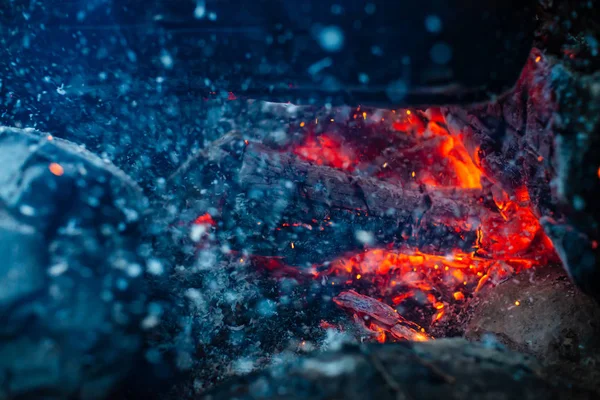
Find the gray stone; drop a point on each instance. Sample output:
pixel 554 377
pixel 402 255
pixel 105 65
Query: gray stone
pixel 553 321
pixel 439 369
pixel 69 236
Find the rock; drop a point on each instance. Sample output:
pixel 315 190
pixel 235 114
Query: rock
pixel 445 368
pixel 576 184
pixel 543 314
pixel 22 267
pixel 71 279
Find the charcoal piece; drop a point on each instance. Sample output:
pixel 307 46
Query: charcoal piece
pixel 384 316
pixel 71 279
pixel 446 368
pixel 541 313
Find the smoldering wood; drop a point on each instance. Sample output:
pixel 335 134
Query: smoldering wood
pixel 446 368
pixel 512 137
pixel 382 314
pixel 266 169
pixel 284 199
pixel 268 199
pixel 544 136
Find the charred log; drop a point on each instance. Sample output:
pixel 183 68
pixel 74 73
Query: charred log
pixel 577 180
pixel 280 203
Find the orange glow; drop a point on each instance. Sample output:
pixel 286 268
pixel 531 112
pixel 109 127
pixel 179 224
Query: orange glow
pixel 325 150
pixel 463 171
pixel 56 169
pixel 506 237
pixel 467 173
pixel 327 325
pixel 413 272
pixel 420 338
pixel 379 332
pixel 207 220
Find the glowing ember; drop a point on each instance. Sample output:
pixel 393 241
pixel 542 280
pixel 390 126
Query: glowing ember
pixel 508 238
pixel 389 288
pixel 468 175
pixel 325 150
pixel 205 219
pixel 397 276
pixel 56 169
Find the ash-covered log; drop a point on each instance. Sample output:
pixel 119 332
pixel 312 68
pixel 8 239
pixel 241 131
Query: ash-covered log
pixel 273 172
pixel 273 203
pixel 442 369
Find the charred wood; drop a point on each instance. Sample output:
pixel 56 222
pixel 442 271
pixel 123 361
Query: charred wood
pixel 384 316
pixel 544 136
pixel 277 203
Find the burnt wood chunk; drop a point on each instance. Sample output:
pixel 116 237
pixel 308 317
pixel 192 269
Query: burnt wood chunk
pixel 383 315
pixel 283 199
pixel 263 168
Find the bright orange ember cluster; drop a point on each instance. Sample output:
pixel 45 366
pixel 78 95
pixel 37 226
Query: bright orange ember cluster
pixel 509 239
pixel 325 150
